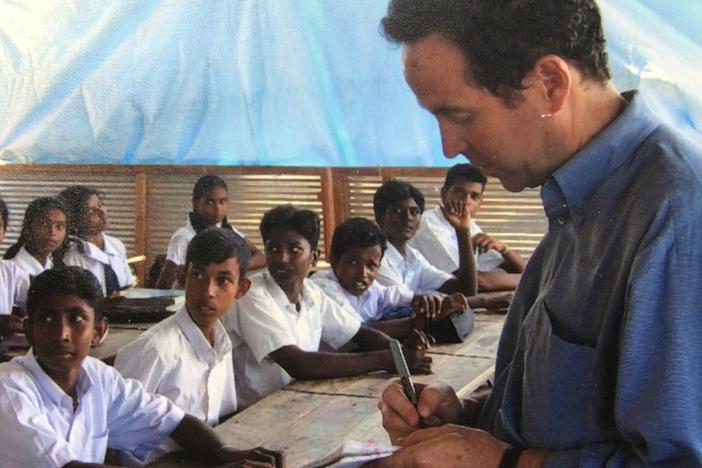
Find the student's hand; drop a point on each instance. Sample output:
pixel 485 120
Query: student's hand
pixel 427 305
pixel 456 302
pixel 500 301
pixel 10 324
pixel 254 458
pixel 438 404
pixel 457 214
pixel 483 242
pixel 415 347
pixel 450 446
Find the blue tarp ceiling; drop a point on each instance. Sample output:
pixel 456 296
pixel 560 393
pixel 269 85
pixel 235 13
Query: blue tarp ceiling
pixel 266 82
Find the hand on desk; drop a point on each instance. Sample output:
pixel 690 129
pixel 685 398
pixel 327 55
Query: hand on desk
pixel 415 348
pixel 258 457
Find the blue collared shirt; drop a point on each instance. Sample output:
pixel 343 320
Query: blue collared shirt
pixel 600 360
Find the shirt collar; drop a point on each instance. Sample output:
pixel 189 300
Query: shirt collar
pixel 49 387
pixel 395 258
pixel 94 252
pixel 29 260
pixel 222 343
pixel 570 187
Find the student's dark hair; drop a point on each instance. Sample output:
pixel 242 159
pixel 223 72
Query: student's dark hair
pixel 37 210
pixel 4 212
pixel 392 193
pixel 64 281
pixel 202 188
pixel 468 172
pixel 304 222
pixel 75 199
pixel 502 39
pixel 216 245
pixel 356 232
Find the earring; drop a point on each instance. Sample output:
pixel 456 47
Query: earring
pixel 546 115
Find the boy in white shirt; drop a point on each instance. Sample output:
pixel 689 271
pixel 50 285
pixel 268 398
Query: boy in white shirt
pixel 357 249
pixel 277 327
pixel 59 407
pixel 188 357
pixel 398 208
pixel 498 266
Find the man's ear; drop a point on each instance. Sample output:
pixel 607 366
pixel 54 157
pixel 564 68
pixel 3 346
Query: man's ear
pixel 243 287
pixel 181 273
pixel 315 257
pixel 443 195
pixel 101 328
pixel 552 78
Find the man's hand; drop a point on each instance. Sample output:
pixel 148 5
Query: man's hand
pixel 483 242
pixel 456 302
pixel 437 405
pixel 258 457
pixel 10 324
pixel 447 446
pixel 457 214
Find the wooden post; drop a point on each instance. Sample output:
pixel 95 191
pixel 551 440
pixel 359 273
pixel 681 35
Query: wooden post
pixel 140 217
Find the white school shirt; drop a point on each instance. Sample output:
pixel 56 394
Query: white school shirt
pixel 436 239
pixel 178 244
pixel 173 359
pixel 28 263
pixel 38 426
pixel 14 283
pixel 93 260
pixel 412 271
pixel 369 306
pixel 263 320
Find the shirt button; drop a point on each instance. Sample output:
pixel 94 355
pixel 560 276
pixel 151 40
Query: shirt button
pixel 561 220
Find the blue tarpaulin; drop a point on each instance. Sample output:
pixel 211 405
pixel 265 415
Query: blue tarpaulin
pixel 266 82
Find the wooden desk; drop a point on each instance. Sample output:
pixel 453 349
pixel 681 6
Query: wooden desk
pixel 309 419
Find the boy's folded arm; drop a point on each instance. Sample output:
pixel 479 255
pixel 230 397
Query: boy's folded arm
pixel 496 281
pixel 395 328
pixel 370 339
pixel 322 365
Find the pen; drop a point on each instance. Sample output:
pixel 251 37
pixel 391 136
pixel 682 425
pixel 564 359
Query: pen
pixel 401 366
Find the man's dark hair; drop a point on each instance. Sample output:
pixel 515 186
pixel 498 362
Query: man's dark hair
pixel 502 39
pixel 37 210
pixel 304 222
pixel 65 281
pixel 392 193
pixel 356 232
pixel 468 172
pixel 205 184
pixel 216 245
pixel 4 212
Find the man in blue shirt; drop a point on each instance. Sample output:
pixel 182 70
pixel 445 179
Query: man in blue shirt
pixel 599 360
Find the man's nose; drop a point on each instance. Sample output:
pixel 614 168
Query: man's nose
pixel 451 140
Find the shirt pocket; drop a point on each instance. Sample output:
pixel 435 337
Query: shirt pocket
pixel 560 391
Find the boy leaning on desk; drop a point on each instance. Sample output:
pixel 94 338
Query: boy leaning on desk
pixel 60 407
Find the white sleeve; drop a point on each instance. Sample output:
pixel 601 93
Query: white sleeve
pixel 394 296
pixel 139 421
pixel 121 267
pixel 431 278
pixel 338 325
pixel 141 360
pixel 258 321
pixel 177 247
pixel 21 287
pixel 26 431
pixel 431 243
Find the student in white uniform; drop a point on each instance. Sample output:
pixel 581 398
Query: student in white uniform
pixel 357 249
pixel 43 231
pixel 188 356
pixel 210 209
pixel 498 266
pixel 277 327
pixel 58 406
pixel 14 283
pixel 87 245
pixel 398 208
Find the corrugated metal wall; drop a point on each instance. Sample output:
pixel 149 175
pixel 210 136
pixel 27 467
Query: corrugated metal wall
pixel 162 196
